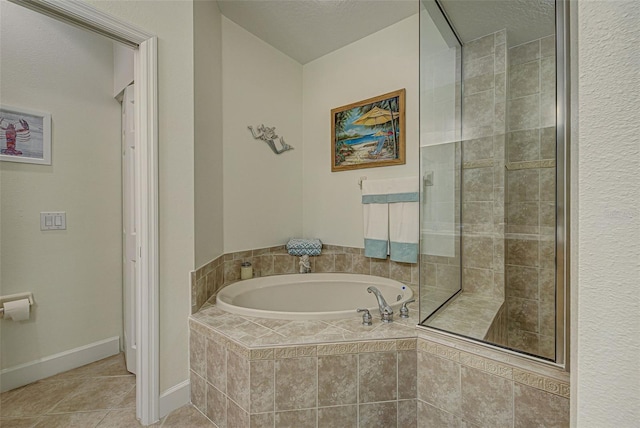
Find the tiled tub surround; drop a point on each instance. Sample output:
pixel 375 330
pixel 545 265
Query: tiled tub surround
pixel 251 372
pixel 248 372
pixel 224 270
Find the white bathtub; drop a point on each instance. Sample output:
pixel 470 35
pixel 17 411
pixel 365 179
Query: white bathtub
pixel 311 296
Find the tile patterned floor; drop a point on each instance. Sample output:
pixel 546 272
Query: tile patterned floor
pixel 98 395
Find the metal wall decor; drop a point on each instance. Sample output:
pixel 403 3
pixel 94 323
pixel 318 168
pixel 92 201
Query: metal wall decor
pixel 268 135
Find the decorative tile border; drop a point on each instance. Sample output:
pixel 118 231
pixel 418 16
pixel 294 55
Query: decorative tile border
pixel 480 163
pixel 496 368
pixel 545 163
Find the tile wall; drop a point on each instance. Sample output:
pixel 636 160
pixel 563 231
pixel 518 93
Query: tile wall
pixel 483 160
pixel 459 385
pixel 530 198
pixel 349 384
pixel 207 280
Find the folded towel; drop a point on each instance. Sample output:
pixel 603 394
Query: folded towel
pixel 301 247
pixel 391 218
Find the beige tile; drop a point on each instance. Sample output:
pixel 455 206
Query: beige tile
pixel 522 282
pixel 547 109
pixel 486 399
pixel 548 143
pixel 264 265
pixel 284 264
pixel 343 262
pixel 236 417
pixel 478 75
pixel 500 85
pixel 407 372
pixel 297 418
pixel 400 271
pixel 407 413
pixel 232 271
pixel 378 415
pixel 18 422
pixel 478 252
pixel 548 184
pixel 476 149
pixel 548 75
pixel 480 282
pixel 198 391
pixel 296 383
pixel 523 341
pixel 534 407
pixel 478 48
pixel 524 79
pixel 523 314
pixel 325 263
pixel 340 416
pixel 72 420
pixel 447 277
pixel 428 274
pixel 524 53
pixel 197 353
pixel 547 254
pixel 548 46
pixel 377 377
pixel 262 420
pixel 97 394
pixel 216 408
pixel 432 417
pixel 500 58
pixel 439 382
pixel 524 113
pixel 361 264
pixel 35 399
pixel 478 215
pixel 216 371
pixel 337 379
pixel 477 115
pixel 380 267
pixel 238 379
pixel 186 416
pixel 262 379
pixel 523 145
pixel 123 418
pixel 547 214
pixel 110 366
pixel 522 252
pixel 477 184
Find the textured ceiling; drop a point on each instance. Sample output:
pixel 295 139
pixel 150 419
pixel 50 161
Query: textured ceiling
pixel 525 20
pixel 308 29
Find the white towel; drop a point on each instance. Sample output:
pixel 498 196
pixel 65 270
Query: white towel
pixel 390 209
pixel 375 212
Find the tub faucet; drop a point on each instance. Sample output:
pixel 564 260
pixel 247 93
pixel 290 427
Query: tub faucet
pixel 386 313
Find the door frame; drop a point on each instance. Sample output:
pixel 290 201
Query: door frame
pixel 88 17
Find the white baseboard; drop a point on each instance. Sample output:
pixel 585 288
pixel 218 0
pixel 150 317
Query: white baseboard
pixel 23 374
pixel 174 397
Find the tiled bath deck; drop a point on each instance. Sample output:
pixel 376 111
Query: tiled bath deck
pixel 261 332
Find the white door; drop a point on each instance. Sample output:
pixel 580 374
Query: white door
pixel 130 256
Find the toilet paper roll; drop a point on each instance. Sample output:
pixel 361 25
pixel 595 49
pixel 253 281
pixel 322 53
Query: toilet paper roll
pixel 17 310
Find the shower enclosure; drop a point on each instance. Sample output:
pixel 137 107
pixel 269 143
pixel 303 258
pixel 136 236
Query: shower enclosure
pixel 488 144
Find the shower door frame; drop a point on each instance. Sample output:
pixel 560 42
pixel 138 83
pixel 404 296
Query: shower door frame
pixel 145 47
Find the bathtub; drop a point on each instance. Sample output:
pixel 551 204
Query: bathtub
pixel 311 296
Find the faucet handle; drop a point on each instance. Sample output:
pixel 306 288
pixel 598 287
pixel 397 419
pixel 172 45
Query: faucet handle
pixel 366 317
pixel 404 311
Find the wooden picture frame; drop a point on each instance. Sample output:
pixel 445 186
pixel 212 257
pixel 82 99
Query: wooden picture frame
pixel 369 133
pixel 25 136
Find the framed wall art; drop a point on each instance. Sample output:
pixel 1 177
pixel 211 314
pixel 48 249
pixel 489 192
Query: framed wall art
pixel 369 133
pixel 25 135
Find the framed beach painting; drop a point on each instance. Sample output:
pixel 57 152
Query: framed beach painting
pixel 369 133
pixel 25 136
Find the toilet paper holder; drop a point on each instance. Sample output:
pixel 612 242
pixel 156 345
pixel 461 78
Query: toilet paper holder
pixel 12 297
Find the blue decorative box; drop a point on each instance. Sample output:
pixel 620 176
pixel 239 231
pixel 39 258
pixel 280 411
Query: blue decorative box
pixel 301 247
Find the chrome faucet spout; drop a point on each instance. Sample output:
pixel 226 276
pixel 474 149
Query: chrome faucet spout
pixel 386 313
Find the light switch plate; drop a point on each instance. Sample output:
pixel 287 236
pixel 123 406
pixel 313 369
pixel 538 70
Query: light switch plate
pixel 53 220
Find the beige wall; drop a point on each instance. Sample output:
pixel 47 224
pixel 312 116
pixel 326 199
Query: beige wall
pixel 605 297
pixel 207 44
pixel 262 190
pixel 172 22
pixel 74 274
pixel 382 62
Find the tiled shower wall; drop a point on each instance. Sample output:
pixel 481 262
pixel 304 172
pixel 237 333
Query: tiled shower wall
pixel 531 196
pixel 207 280
pixel 483 160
